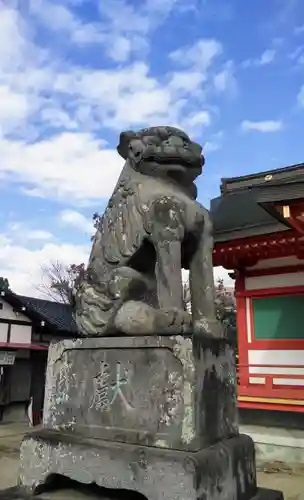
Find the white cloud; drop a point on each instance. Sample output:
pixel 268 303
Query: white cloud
pixel 121 28
pixel 64 21
pixel 200 59
pixel 58 118
pixel 262 126
pixel 14 107
pixel 81 97
pixel 129 96
pixel 145 17
pixel 120 49
pixel 187 81
pixel 297 54
pixel 14 29
pixel 225 80
pixel 214 143
pixel 51 111
pixel 211 146
pixel 267 57
pixel 219 272
pixel 39 234
pixel 76 220
pixel 200 55
pixel 68 166
pixel 22 266
pixel 199 118
pixel 20 232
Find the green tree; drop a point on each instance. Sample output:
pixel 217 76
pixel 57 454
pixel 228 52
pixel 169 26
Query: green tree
pixel 4 285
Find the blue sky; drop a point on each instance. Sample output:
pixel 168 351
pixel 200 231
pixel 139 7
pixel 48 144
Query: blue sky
pixel 74 73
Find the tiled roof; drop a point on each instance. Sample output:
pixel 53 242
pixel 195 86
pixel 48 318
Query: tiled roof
pixel 240 211
pixel 239 215
pixel 279 176
pixel 56 315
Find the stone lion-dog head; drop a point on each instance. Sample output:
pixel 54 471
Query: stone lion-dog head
pixel 165 152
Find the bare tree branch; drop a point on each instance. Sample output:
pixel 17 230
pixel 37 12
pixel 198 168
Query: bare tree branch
pixel 58 281
pixel 224 301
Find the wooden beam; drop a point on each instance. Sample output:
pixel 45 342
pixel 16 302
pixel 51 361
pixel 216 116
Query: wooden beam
pixel 293 214
pixel 246 252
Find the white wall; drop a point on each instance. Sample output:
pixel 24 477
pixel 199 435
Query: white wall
pixel 277 358
pixel 3 332
pixel 7 313
pixel 248 319
pixel 280 262
pixel 274 281
pixel 21 334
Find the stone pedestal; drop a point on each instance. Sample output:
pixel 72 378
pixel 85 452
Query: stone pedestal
pixel 156 415
pixel 152 391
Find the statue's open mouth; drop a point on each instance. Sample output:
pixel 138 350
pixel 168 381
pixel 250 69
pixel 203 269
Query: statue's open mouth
pixel 180 159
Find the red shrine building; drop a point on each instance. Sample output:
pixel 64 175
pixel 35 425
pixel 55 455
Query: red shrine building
pixel 259 235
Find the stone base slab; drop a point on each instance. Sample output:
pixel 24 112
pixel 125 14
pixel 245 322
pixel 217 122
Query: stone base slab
pixel 168 392
pixel 264 494
pixel 224 471
pixel 17 493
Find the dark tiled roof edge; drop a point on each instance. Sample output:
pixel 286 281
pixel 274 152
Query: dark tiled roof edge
pixel 264 180
pixel 290 168
pixel 57 316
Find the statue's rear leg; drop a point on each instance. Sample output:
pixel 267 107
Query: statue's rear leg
pixel 99 303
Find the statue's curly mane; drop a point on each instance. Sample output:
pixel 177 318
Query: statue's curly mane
pixel 122 228
pixel 152 135
pixel 120 233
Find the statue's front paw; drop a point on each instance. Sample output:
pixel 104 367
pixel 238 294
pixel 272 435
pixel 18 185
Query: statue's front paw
pixel 209 328
pixel 182 321
pixel 173 321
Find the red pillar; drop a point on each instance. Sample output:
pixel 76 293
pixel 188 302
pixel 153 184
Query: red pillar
pixel 241 324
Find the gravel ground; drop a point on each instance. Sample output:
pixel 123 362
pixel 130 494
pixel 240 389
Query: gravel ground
pixel 290 480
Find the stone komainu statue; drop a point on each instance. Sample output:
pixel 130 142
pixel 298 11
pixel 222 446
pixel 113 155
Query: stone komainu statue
pixel 150 230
